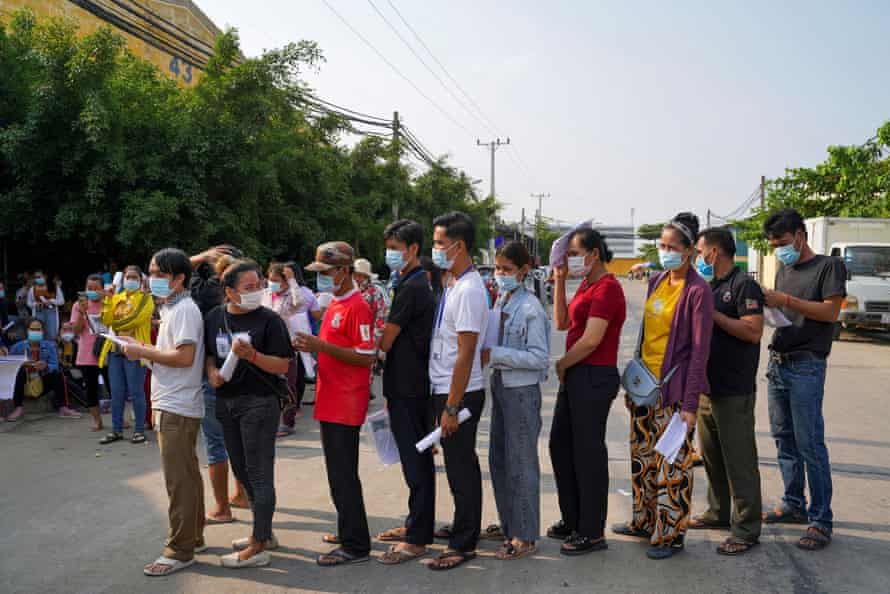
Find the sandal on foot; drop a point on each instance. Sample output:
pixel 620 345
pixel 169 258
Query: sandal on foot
pixel 734 545
pixel 581 545
pixel 814 540
pixel 783 515
pixel 111 438
pixel 393 535
pixel 331 539
pixel 340 556
pixel 510 551
pixel 559 531
pixel 628 530
pixel 493 532
pixel 443 533
pixel 210 520
pixel 165 566
pixel 284 431
pixel 234 561
pixel 138 438
pixel 396 556
pixel 663 552
pixel 702 522
pixel 451 559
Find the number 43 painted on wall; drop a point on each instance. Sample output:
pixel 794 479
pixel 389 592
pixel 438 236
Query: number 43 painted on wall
pixel 186 69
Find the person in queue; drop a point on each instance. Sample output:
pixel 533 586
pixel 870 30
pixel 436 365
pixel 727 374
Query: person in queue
pixel 676 343
pixel 373 296
pixel 40 374
pixel 345 348
pixel 519 361
pixel 177 401
pixel 406 386
pixel 456 379
pixel 433 276
pixel 86 316
pixel 127 314
pixel 589 382
pixel 248 402
pixel 44 302
pixel 809 291
pixel 726 415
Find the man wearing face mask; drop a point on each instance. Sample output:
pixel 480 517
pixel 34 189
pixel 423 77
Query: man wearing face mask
pixel 726 415
pixel 809 291
pixel 345 347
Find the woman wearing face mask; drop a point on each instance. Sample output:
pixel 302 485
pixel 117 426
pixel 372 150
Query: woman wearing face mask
pixel 588 384
pixel 127 313
pixel 519 364
pixel 40 373
pixel 86 322
pixel 247 404
pixel 676 339
pixel 44 301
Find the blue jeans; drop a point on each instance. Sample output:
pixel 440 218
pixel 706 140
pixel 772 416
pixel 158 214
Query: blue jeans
pixel 214 442
pixel 127 380
pixel 796 389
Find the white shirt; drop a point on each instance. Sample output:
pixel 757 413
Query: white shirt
pixel 178 390
pixel 465 309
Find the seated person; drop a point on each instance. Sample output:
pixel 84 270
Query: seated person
pixel 42 365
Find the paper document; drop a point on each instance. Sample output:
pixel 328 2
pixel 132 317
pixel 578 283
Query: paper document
pixel 672 439
pixel 774 317
pixel 560 247
pixel 9 368
pixel 231 362
pixel 8 326
pixel 114 339
pixel 436 436
pixel 377 425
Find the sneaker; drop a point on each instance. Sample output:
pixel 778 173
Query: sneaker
pixel 67 413
pixel 17 414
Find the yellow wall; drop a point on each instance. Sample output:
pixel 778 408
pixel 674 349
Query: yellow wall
pixel 172 55
pixel 621 266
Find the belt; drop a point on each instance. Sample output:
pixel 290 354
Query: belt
pixel 795 356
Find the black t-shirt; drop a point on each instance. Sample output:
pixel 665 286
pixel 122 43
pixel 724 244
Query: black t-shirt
pixel 732 366
pixel 205 288
pixel 814 280
pixel 406 374
pixel 268 335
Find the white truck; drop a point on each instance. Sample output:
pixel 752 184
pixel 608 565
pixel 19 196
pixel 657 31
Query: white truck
pixel 864 246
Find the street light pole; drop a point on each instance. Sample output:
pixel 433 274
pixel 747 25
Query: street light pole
pixel 538 217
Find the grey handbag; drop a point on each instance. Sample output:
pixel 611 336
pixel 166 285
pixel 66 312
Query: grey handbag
pixel 639 383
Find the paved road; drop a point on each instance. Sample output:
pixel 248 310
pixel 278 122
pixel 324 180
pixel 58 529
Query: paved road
pixel 77 517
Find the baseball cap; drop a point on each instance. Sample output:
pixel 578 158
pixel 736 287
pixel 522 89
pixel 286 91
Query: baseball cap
pixel 332 254
pixel 363 266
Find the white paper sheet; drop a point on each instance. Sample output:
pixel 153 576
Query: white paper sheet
pixel 231 362
pixel 774 317
pixel 377 425
pixel 436 436
pixel 9 368
pixel 672 439
pixel 300 323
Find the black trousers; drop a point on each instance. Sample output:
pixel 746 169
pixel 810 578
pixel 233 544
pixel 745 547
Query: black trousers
pixel 463 472
pixel 578 447
pixel 52 380
pixel 91 375
pixel 249 423
pixel 340 445
pixel 410 422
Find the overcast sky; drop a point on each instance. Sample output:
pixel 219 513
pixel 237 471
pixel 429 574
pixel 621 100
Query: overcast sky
pixel 657 106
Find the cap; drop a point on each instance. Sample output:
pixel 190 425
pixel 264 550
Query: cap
pixel 362 266
pixel 332 255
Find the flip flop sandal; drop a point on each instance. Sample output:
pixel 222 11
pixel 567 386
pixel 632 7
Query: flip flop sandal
pixel 393 535
pixel 781 515
pixel 284 431
pixel 659 553
pixel 443 533
pixel 208 521
pixel 559 531
pixel 111 438
pixel 733 546
pixel 340 556
pixel 509 551
pixel 814 540
pixel 701 523
pixel 138 438
pixel 439 564
pixel 628 530
pixel 397 557
pixel 174 565
pixel 493 532
pixel 331 539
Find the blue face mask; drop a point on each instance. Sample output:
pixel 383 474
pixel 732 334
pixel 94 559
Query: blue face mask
pixel 2 294
pixel 506 283
pixel 35 335
pixel 670 260
pixel 704 269
pixel 395 260
pixel 39 281
pixel 326 284
pixel 787 255
pixel 131 285
pixel 159 287
pixel 274 287
pixel 440 257
pixel 92 295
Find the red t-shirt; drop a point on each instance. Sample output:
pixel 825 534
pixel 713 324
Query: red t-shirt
pixel 342 391
pixel 603 299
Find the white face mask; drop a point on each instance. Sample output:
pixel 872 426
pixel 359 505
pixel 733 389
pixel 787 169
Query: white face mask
pixel 577 267
pixel 251 301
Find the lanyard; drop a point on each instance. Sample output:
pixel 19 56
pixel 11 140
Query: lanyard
pixel 441 311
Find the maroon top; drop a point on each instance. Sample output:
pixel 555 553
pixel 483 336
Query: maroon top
pixel 689 343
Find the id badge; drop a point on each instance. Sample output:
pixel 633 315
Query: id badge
pixel 223 346
pixel 438 345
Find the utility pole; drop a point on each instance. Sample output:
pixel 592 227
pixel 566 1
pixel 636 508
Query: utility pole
pixel 396 138
pixel 760 277
pixel 522 228
pixel 708 225
pixel 492 146
pixel 538 217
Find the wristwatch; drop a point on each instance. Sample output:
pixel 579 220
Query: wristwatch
pixel 451 410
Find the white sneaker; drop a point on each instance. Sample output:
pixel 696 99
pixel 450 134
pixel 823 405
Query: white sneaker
pixel 232 561
pixel 243 543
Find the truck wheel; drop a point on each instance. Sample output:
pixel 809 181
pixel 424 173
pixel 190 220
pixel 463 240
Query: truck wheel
pixel 836 334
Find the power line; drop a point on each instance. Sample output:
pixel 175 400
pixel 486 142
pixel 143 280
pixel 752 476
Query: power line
pixel 394 69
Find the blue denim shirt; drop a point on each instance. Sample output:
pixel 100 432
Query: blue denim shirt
pixel 48 353
pixel 523 354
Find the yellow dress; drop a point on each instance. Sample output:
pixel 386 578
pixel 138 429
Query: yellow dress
pixel 128 314
pixel 657 318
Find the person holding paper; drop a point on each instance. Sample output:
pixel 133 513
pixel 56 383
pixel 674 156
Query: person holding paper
pixel 588 378
pixel 345 347
pixel 44 302
pixel 406 386
pixel 126 314
pixel 726 415
pixel 457 381
pixel 86 314
pixel 809 290
pixel 677 326
pixel 247 403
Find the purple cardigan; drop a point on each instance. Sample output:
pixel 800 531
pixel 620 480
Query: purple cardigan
pixel 689 343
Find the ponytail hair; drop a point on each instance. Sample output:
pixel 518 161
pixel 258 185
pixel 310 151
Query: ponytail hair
pixel 592 239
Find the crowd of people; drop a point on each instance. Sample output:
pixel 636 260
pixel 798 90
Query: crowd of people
pixel 229 351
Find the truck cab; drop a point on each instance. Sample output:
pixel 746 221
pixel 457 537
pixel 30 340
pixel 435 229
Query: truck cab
pixel 867 304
